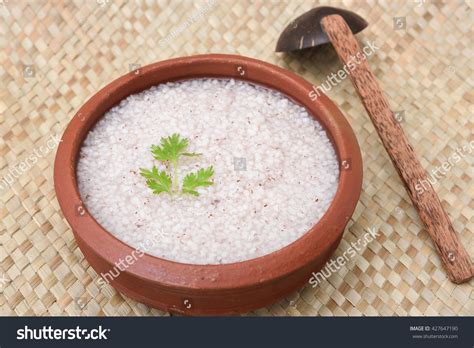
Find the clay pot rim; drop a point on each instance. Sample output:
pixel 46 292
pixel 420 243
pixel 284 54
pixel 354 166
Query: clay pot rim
pixel 181 276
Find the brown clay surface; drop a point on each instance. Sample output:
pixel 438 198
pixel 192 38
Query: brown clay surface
pixel 210 289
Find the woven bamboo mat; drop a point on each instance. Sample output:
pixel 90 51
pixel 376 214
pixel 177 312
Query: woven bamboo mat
pixel 55 55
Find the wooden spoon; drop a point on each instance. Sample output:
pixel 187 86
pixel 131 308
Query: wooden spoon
pixel 327 24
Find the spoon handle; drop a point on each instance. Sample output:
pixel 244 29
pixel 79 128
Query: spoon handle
pixel 455 258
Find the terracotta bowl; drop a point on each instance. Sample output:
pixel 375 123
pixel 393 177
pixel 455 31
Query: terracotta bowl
pixel 210 289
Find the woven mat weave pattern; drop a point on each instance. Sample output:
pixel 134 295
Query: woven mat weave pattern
pixel 55 55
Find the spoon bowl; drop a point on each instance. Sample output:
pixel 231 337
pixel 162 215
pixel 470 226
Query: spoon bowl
pixel 306 31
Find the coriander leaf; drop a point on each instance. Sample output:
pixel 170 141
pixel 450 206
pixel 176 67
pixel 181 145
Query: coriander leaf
pixel 199 179
pixel 158 181
pixel 149 174
pixel 170 148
